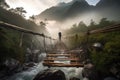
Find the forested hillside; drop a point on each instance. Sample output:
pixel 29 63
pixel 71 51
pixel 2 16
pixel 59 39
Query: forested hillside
pixel 103 48
pixel 79 8
pixel 10 40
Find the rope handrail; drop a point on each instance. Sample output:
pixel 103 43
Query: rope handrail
pixel 106 29
pixel 7 25
pixel 115 27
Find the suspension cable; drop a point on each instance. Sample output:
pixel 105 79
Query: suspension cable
pixel 14 27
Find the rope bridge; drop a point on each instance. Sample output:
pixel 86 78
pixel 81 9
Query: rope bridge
pixel 23 30
pixel 14 27
pixel 56 59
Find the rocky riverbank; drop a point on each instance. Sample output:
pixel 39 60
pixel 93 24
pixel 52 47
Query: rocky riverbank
pixel 12 66
pixel 89 72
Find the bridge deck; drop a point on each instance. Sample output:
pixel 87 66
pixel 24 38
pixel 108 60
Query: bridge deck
pixel 62 65
pixel 51 58
pixel 55 55
pixel 59 58
pixel 62 59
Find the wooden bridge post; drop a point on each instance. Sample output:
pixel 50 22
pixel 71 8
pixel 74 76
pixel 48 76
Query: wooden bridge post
pixel 51 43
pixel 87 43
pixel 87 37
pixel 21 39
pixel 44 43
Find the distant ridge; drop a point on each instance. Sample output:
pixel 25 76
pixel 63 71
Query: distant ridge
pixel 74 8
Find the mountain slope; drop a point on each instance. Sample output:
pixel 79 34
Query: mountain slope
pixel 109 9
pixel 15 19
pixel 66 10
pixel 76 8
pixel 56 13
pixel 63 11
pixel 108 3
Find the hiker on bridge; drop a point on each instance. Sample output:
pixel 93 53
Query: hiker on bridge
pixel 60 35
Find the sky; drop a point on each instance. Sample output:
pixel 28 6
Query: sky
pixel 34 7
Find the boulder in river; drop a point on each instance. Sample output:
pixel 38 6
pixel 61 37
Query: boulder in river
pixel 12 65
pixel 74 78
pixel 50 74
pixel 110 78
pixel 90 72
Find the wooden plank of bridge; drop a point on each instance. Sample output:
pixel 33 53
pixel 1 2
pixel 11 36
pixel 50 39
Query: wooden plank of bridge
pixel 58 55
pixel 106 29
pixel 62 59
pixel 59 62
pixel 62 65
pixel 21 29
pixel 52 55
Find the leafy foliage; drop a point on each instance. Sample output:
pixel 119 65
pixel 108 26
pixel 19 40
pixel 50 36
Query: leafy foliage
pixel 10 39
pixel 109 53
pixel 4 4
pixel 9 46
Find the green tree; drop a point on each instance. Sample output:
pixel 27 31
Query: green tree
pixel 42 26
pixel 32 17
pixel 82 26
pixel 105 22
pixel 12 10
pixel 2 45
pixel 20 11
pixel 4 4
pixel 92 25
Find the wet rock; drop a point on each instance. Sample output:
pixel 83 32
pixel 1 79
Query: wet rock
pixel 11 65
pixel 50 74
pixel 85 78
pixel 26 66
pixel 90 72
pixel 115 69
pixel 30 64
pixel 110 78
pixel 74 78
pixel 32 55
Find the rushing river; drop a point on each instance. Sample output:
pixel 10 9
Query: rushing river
pixel 29 74
pixel 32 72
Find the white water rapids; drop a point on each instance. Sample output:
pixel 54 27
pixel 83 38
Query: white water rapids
pixel 32 72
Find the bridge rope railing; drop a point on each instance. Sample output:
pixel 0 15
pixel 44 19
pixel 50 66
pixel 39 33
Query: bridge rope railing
pixel 86 35
pixel 111 28
pixel 14 27
pixel 115 27
pixel 27 31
